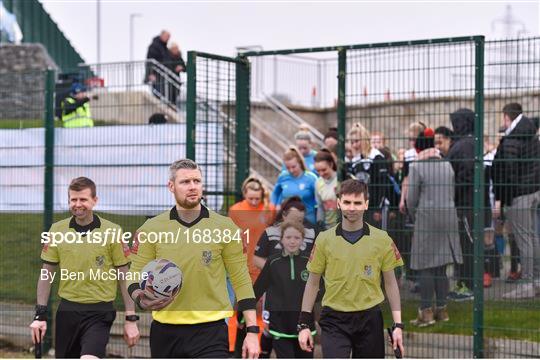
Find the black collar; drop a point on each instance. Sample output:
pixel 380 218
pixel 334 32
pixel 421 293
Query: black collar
pixel 173 215
pixel 365 228
pixel 95 224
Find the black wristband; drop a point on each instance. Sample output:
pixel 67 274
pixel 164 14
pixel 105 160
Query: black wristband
pixel 247 304
pixel 132 288
pixel 132 318
pixel 306 318
pixel 41 313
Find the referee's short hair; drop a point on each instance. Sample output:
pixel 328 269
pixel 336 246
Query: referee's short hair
pixel 81 183
pixel 353 186
pixel 182 164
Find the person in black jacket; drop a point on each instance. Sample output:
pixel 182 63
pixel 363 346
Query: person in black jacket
pixel 283 279
pixel 159 52
pixel 516 173
pixel 461 157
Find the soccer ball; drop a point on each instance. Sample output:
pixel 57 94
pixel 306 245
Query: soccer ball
pixel 164 279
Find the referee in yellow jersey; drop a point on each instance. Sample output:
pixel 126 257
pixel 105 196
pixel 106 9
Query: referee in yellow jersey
pixel 352 256
pixel 92 263
pixel 206 247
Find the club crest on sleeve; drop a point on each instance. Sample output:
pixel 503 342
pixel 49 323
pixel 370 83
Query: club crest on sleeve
pixel 135 244
pixel 126 249
pixel 206 257
pixel 397 254
pixel 312 252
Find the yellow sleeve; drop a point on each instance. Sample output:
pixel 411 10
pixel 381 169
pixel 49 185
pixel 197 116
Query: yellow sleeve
pixel 236 265
pixel 141 254
pixel 118 255
pixel 391 258
pixel 317 259
pixel 49 253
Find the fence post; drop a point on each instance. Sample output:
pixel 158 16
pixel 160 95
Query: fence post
pixel 48 201
pixel 191 104
pixel 242 131
pixel 478 201
pixel 341 107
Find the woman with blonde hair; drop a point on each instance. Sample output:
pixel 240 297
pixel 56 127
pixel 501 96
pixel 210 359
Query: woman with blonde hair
pixel 296 180
pixel 369 166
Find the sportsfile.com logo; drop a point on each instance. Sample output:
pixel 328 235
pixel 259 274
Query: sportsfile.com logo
pixel 116 236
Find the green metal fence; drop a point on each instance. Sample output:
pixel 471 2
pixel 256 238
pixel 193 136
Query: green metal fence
pixel 218 113
pixel 227 120
pixel 38 27
pixel 385 87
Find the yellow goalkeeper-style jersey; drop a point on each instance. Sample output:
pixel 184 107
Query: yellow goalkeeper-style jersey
pixel 206 251
pixel 352 271
pixel 85 261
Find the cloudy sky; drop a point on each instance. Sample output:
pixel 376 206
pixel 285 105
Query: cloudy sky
pixel 221 26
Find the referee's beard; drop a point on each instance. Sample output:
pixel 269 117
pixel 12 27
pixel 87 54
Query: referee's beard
pixel 188 204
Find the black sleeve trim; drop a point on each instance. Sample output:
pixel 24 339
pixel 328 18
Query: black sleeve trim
pixel 132 288
pixel 49 262
pixel 247 304
pixel 119 266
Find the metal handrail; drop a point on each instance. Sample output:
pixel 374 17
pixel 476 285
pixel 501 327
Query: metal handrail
pixel 257 145
pixel 276 135
pixel 294 118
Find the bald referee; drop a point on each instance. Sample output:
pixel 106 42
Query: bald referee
pixel 207 246
pixel 90 271
pixel 352 256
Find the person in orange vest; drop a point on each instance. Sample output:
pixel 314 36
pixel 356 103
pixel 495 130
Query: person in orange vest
pixel 256 213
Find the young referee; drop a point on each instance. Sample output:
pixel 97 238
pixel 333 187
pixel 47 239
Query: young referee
pixel 86 313
pixel 352 256
pixel 209 246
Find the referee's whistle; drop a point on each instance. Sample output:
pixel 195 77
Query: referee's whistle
pixel 397 350
pixel 37 350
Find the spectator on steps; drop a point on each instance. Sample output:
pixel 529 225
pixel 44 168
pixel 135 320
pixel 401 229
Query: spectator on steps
pixel 159 52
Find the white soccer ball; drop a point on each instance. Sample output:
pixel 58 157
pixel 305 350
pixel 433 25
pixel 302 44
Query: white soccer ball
pixel 163 280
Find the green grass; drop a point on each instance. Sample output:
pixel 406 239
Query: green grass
pixel 20 264
pixel 36 123
pixel 20 250
pixel 511 320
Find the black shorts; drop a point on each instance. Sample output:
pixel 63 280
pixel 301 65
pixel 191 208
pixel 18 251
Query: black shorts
pixel 290 349
pixel 83 329
pixel 359 332
pixel 206 340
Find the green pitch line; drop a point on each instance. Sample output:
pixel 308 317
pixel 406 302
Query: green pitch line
pixel 36 123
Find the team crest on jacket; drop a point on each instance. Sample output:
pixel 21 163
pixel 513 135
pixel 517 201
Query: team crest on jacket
pixel 368 271
pixel 206 257
pixel 304 275
pixel 100 261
